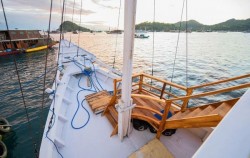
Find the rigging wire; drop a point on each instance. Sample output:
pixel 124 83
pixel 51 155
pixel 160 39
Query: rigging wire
pixel 186 43
pixel 20 87
pixel 153 49
pixel 152 71
pixel 55 82
pixel 79 29
pixel 118 23
pixel 72 20
pixel 177 45
pixel 45 66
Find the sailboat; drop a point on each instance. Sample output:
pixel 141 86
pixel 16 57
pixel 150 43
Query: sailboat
pixel 99 112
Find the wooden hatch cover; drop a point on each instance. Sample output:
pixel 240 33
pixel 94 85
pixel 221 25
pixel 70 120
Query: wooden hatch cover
pixel 153 149
pixel 98 101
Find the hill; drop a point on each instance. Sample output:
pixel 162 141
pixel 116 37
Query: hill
pixel 229 25
pixel 69 26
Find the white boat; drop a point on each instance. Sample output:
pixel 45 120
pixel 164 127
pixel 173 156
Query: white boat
pixel 141 34
pixel 85 87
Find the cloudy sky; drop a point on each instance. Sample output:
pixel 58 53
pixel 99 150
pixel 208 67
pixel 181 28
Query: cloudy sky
pixel 99 14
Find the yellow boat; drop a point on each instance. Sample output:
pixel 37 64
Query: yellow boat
pixel 30 50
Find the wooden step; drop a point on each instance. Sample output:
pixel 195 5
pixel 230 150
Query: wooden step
pixel 111 119
pixel 113 113
pixel 194 112
pixel 144 102
pixel 180 114
pixel 207 110
pixel 222 109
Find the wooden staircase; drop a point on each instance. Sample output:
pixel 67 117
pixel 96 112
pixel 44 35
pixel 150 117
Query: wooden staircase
pixel 150 105
pixel 202 116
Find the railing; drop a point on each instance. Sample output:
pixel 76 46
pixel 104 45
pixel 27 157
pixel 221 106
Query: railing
pixel 141 86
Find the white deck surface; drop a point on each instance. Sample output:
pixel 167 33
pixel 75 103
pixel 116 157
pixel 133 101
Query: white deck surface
pixel 93 140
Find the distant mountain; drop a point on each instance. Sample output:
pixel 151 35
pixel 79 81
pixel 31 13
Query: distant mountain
pixel 192 25
pixel 69 26
pixel 232 25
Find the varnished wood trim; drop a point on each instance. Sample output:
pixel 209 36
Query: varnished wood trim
pixel 221 81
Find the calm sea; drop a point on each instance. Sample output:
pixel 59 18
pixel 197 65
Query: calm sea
pixel 211 56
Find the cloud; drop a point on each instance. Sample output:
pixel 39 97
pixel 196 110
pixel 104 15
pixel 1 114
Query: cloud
pixel 100 3
pixel 35 13
pixel 95 22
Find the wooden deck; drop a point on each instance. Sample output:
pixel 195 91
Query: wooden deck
pixel 98 101
pixel 153 149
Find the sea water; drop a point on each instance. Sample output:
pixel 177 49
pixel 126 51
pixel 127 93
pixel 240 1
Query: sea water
pixel 199 58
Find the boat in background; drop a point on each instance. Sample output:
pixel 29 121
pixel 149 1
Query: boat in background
pixel 114 32
pixel 18 41
pixel 141 34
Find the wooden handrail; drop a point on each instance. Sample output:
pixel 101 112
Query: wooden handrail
pixel 133 76
pixel 163 120
pixel 149 109
pixel 148 97
pixel 220 81
pixel 139 116
pixel 212 92
pixel 167 82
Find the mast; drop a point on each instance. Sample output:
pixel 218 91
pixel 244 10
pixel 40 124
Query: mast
pixel 125 103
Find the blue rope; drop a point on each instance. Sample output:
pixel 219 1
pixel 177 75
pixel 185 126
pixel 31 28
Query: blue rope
pixel 47 132
pixel 96 76
pixel 53 143
pixel 86 72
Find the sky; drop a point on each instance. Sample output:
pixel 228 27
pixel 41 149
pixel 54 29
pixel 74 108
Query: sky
pixel 103 14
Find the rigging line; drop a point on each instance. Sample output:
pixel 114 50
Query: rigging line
pixel 186 43
pixel 72 20
pixel 45 66
pixel 152 71
pixel 177 44
pixel 153 53
pixel 118 23
pixel 20 87
pixel 79 29
pixel 55 82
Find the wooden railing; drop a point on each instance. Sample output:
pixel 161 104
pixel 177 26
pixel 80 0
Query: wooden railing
pixel 140 85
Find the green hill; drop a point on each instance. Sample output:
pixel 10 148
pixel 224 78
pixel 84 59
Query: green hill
pixel 229 25
pixel 232 25
pixel 69 26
